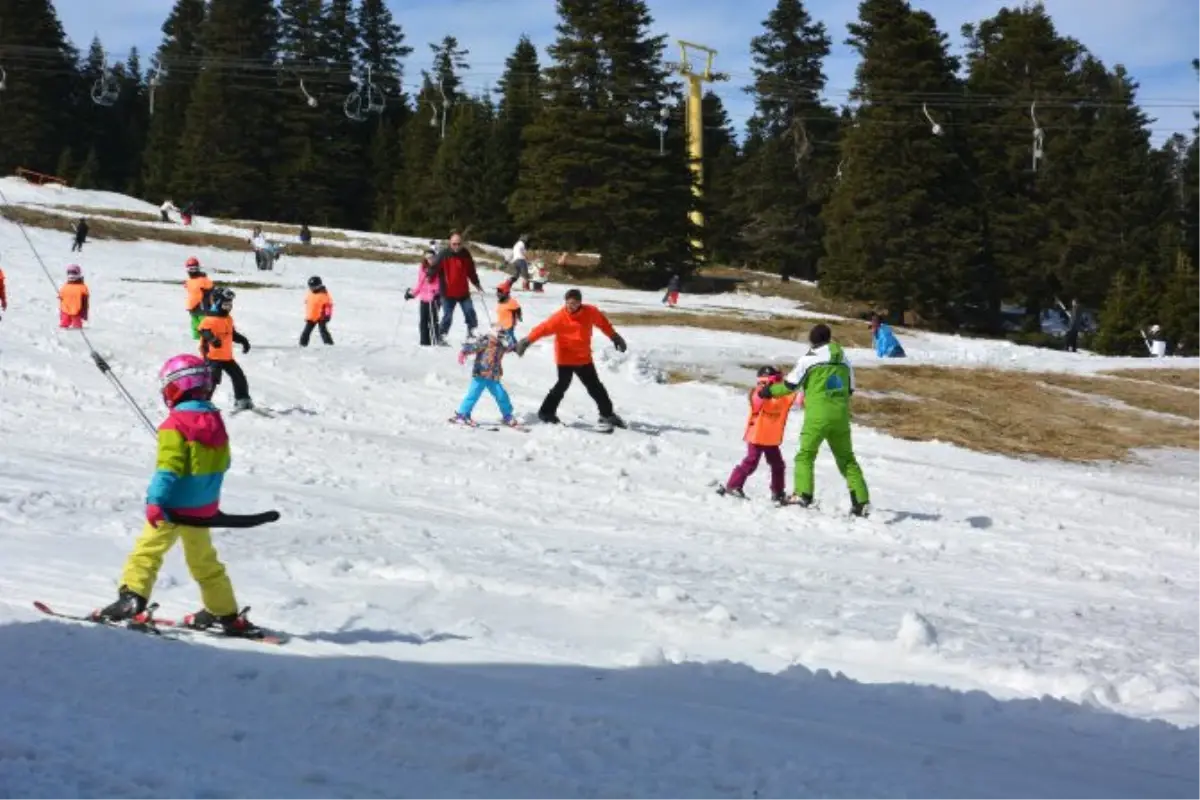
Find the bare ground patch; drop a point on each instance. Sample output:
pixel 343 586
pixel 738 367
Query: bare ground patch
pixel 1161 397
pixel 1007 413
pixel 113 229
pixel 790 328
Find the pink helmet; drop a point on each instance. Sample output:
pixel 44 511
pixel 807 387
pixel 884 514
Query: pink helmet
pixel 74 272
pixel 182 375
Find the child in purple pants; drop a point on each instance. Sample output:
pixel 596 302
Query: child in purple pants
pixel 764 433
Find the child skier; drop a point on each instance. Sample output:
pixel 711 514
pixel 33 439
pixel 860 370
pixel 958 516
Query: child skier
pixel 508 312
pixel 826 380
pixel 539 275
pixel 764 433
pixel 3 294
pixel 671 297
pixel 426 291
pixel 198 286
pixel 486 374
pixel 217 337
pixel 193 456
pixel 318 311
pixel 73 299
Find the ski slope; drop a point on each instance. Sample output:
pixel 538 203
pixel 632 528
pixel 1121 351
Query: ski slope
pixel 558 613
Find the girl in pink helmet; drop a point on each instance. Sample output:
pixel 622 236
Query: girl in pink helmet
pixel 193 456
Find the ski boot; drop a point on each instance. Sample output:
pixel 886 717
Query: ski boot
pixel 779 498
pixel 612 420
pixel 723 492
pixel 802 500
pixel 510 422
pixel 128 607
pixel 859 509
pixel 549 419
pixel 463 419
pixel 236 625
pixel 244 404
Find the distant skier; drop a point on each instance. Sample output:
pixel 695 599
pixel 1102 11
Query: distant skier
pixel 671 298
pixel 318 311
pixel 73 299
pixel 3 294
pixel 217 337
pixel 825 379
pixel 426 292
pixel 198 286
pixel 539 275
pixel 1074 323
pixel 81 233
pixel 571 326
pixel 765 428
pixel 519 262
pixel 305 234
pixel 193 457
pixel 166 209
pixel 266 252
pixel 486 374
pixel 886 343
pixel 508 311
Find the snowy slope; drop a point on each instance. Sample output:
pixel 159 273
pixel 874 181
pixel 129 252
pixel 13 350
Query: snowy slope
pixel 556 613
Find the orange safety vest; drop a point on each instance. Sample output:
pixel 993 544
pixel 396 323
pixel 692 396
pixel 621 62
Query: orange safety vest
pixel 71 298
pixel 196 287
pixel 768 419
pixel 222 328
pixel 318 307
pixel 506 314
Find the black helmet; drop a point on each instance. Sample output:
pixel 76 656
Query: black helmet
pixel 315 282
pixel 768 372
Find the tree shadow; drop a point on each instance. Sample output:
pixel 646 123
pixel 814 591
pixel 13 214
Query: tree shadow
pixel 376 636
pixel 313 719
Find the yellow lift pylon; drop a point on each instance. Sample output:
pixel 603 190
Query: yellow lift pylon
pixel 695 119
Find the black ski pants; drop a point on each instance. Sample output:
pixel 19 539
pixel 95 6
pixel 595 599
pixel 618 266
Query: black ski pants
pixel 429 321
pixel 241 389
pixel 308 329
pixel 591 381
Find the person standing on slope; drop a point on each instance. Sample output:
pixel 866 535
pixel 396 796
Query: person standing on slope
pixel 199 287
pixel 486 374
pixel 520 262
pixel 825 380
pixel 217 337
pixel 764 434
pixel 3 293
pixel 456 271
pixel 73 299
pixel 193 457
pixel 508 311
pixel 318 311
pixel 571 326
pixel 426 292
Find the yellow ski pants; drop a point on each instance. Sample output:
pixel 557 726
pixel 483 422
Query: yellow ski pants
pixel 141 568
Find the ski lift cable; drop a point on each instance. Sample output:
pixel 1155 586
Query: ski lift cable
pixel 101 364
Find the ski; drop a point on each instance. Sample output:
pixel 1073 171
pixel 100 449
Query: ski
pixel 262 412
pixel 146 622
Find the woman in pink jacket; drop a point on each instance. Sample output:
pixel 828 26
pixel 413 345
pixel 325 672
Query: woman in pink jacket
pixel 427 291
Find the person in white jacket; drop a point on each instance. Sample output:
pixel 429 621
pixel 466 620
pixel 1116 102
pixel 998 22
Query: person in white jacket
pixel 167 208
pixel 519 262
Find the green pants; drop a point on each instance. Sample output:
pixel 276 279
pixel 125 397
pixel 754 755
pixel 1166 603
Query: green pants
pixel 836 431
pixel 196 317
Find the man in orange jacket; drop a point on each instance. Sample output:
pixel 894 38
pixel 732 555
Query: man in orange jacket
pixel 571 326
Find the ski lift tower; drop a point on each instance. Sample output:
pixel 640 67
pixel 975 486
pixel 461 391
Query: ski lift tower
pixel 695 117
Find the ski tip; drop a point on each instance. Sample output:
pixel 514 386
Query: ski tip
pixel 42 607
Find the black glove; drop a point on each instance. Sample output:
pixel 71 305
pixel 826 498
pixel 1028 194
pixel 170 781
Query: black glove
pixel 522 346
pixel 618 342
pixel 215 342
pixel 246 346
pixel 408 295
pixel 765 391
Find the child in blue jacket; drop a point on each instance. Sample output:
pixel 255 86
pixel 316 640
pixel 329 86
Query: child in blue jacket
pixel 886 343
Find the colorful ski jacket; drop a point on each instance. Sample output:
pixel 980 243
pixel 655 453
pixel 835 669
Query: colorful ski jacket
pixel 193 457
pixel 489 352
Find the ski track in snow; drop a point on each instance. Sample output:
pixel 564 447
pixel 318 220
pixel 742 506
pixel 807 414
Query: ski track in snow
pixel 561 613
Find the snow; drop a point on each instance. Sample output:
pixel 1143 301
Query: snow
pixel 557 613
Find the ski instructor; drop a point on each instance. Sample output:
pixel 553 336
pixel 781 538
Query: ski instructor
pixel 571 326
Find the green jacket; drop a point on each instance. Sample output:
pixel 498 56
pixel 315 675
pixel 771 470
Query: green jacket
pixel 826 379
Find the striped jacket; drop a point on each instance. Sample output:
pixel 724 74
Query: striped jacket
pixel 193 457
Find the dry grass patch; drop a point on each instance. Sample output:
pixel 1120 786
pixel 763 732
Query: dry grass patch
pixel 790 328
pixel 810 297
pixel 1160 397
pixel 120 213
pixel 117 230
pixel 1179 378
pixel 279 229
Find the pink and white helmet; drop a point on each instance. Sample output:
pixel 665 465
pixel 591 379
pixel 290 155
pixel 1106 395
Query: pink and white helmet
pixel 74 272
pixel 182 375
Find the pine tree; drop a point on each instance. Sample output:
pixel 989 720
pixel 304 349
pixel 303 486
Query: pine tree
pixel 901 227
pixel 449 62
pixel 229 144
pixel 466 197
pixel 1130 302
pixel 786 178
pixel 173 73
pixel 37 109
pixel 1180 306
pixel 591 174
pixel 723 218
pixel 133 120
pixel 520 91
pixel 413 184
pixel 1013 59
pixel 381 48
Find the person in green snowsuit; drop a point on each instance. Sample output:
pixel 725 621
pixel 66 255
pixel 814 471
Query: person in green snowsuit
pixel 825 378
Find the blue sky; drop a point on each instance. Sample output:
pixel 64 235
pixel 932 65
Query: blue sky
pixel 1155 39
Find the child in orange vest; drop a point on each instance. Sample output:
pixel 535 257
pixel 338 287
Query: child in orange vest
pixel 318 311
pixel 73 299
pixel 198 286
pixel 217 338
pixel 508 312
pixel 764 433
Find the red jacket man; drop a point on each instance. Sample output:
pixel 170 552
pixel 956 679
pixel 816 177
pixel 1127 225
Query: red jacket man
pixel 456 270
